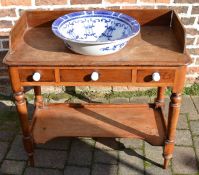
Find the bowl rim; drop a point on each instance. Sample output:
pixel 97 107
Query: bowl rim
pixel 85 13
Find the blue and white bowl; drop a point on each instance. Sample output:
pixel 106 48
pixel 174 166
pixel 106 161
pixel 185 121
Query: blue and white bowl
pixel 97 32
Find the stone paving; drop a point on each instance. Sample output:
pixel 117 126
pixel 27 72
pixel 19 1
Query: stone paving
pixel 87 156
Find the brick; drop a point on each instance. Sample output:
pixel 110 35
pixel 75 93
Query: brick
pixel 106 157
pixel 14 2
pixel 17 151
pixel 41 171
pixel 185 1
pixel 7 12
pixel 190 41
pixel 131 143
pixel 119 100
pixel 192 70
pixel 3 150
pixel 180 9
pixel 193 51
pixel 73 2
pixel 50 2
pixel 194 127
pixel 5 33
pixel 99 169
pixel 80 153
pixel 50 158
pixel 195 10
pixel 162 1
pixel 182 122
pixel 191 31
pixel 5 44
pixel 131 162
pixel 183 137
pixel 120 1
pixel 58 143
pixel 107 144
pixel 12 167
pixel 5 24
pixel 74 170
pixel 148 1
pixel 188 21
pixel 184 161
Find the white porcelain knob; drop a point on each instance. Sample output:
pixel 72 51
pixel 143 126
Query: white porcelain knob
pixel 36 76
pixel 95 76
pixel 156 76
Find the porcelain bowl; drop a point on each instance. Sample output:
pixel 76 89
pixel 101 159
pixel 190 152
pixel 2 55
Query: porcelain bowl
pixel 98 32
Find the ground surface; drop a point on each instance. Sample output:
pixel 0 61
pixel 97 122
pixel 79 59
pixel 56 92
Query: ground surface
pixel 86 156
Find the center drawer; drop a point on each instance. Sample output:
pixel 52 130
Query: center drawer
pixel 104 75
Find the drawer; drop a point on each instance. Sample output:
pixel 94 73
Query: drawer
pixel 46 75
pixel 104 75
pixel 146 75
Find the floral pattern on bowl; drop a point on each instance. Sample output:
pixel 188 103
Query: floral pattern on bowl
pixel 97 32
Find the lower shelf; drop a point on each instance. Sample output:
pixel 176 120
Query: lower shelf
pixel 99 120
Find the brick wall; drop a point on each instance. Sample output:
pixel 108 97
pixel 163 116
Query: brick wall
pixel 188 11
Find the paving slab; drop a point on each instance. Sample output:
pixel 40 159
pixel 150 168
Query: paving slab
pixel 193 116
pixel 155 170
pixel 131 143
pixel 50 158
pixel 196 102
pixel 188 106
pixel 182 122
pixel 183 137
pixel 81 152
pixel 102 169
pixel 140 100
pixel 107 144
pixel 195 127
pixel 7 135
pixel 41 171
pixel 58 143
pixel 17 151
pixel 153 154
pixel 12 167
pixel 119 100
pixel 184 161
pixel 106 157
pixel 3 149
pixel 131 162
pixel 75 170
pixel 196 142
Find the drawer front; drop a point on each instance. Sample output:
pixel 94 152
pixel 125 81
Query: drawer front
pixel 145 75
pixel 105 75
pixel 47 75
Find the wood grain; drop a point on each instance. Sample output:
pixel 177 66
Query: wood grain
pixel 99 121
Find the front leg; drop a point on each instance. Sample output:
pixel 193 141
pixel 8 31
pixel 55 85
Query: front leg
pixel 174 110
pixel 23 116
pixel 21 106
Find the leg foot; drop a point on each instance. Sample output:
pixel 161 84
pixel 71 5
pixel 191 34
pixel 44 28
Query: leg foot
pixel 166 163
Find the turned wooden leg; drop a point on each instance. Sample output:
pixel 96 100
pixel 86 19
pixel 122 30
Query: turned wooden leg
pixel 160 97
pixel 22 112
pixel 174 110
pixel 23 116
pixel 38 96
